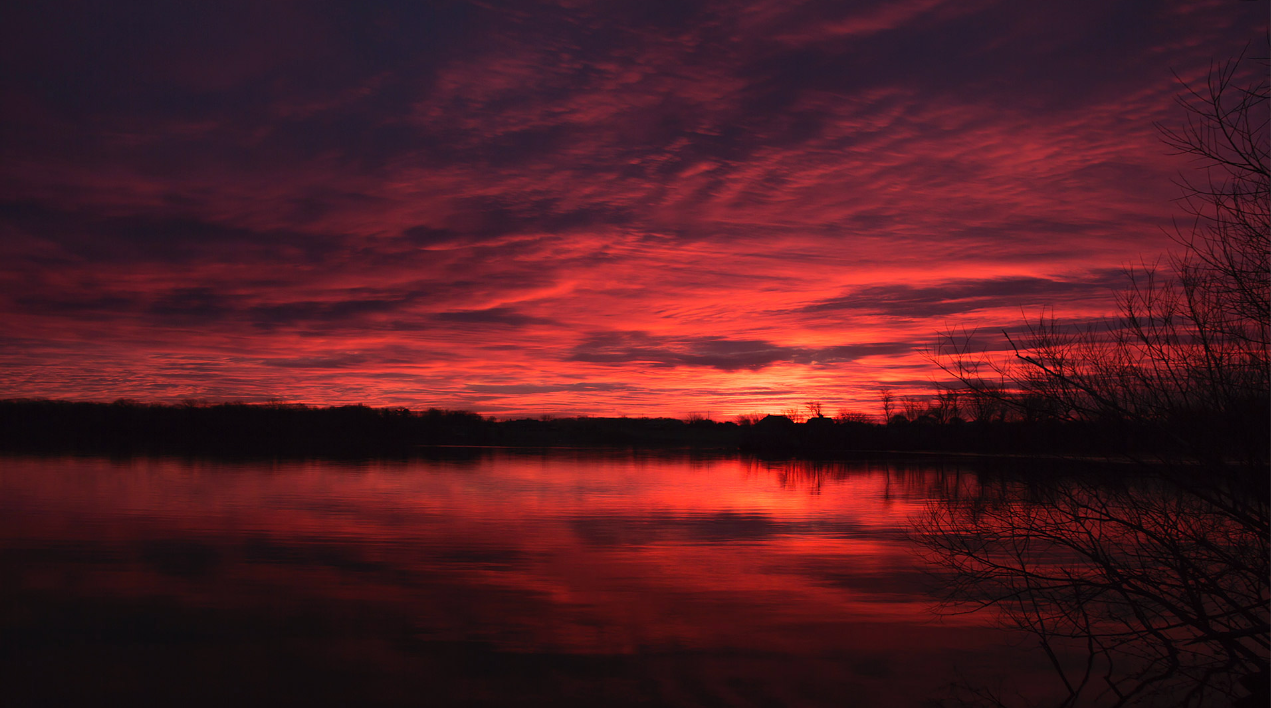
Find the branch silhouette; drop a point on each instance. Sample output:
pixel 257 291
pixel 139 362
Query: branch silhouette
pixel 1148 587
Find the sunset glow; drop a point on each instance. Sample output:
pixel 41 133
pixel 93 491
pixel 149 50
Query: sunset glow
pixel 634 208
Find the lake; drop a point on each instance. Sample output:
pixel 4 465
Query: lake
pixel 481 578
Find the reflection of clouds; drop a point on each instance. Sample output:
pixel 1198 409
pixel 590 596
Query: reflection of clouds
pixel 538 550
pixel 717 527
pixel 687 570
pixel 484 189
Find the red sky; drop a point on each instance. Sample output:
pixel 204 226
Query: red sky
pixel 638 208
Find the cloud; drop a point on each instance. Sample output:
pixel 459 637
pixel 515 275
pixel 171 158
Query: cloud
pixel 481 220
pixel 640 348
pixel 337 361
pixel 645 529
pixel 523 389
pixel 959 297
pixel 139 238
pixel 702 199
pixel 491 316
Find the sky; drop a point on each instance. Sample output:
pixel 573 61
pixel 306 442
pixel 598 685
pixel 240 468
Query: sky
pixel 636 207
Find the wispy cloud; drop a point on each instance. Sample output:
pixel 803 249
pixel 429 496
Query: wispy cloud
pixel 691 205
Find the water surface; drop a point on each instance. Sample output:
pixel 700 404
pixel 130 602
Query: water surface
pixel 493 578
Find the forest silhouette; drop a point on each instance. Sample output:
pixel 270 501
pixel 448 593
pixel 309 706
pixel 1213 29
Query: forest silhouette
pixel 295 429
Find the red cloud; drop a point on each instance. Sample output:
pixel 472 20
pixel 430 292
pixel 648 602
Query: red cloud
pixel 482 209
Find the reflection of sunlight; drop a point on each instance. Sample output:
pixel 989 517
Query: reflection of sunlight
pixel 568 553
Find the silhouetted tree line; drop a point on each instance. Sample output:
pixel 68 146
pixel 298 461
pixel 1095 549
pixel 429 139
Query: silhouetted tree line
pixel 1019 435
pixel 227 427
pixel 129 426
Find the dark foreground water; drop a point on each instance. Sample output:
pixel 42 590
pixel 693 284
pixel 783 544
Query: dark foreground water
pixel 501 579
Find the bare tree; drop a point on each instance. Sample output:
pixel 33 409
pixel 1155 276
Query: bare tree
pixel 795 414
pixel 946 405
pixel 849 416
pixel 887 398
pixel 1137 593
pixel 1188 355
pixel 984 402
pixel 913 407
pixel 1224 274
pixel 1161 584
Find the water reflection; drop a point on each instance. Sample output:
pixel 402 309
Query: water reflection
pixel 1143 587
pixel 498 578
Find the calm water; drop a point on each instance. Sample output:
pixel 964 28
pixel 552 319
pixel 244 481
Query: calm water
pixel 504 579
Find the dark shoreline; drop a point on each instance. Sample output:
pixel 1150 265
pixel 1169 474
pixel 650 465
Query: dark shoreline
pixel 237 429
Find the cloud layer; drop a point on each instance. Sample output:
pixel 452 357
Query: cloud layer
pixel 637 208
